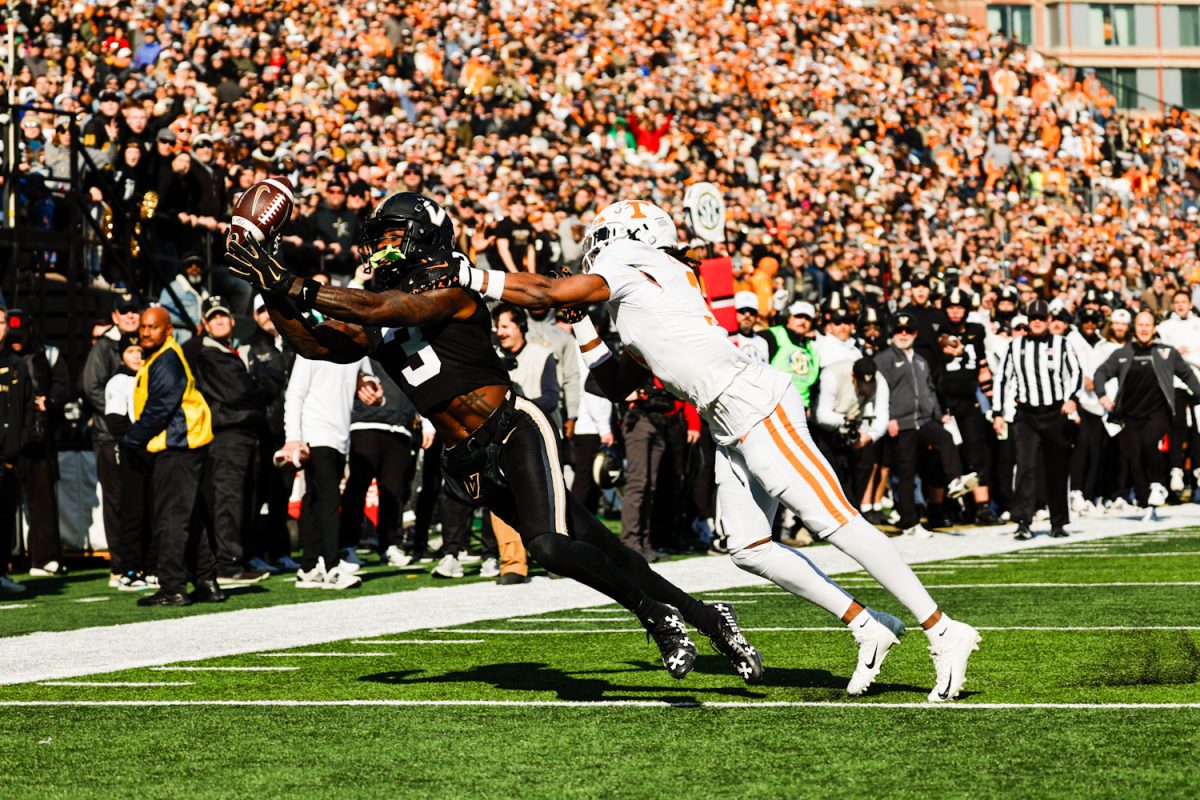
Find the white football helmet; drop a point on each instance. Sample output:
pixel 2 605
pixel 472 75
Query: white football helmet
pixel 639 220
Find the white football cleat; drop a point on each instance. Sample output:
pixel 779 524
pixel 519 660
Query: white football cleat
pixel 313 578
pixel 875 637
pixel 338 578
pixel 1177 480
pixel 918 531
pixel 1158 494
pixel 1078 503
pixel 950 652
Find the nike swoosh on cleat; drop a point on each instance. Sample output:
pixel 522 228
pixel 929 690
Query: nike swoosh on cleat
pixel 871 665
pixel 949 682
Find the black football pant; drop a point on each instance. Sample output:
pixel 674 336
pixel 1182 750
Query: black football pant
pixel 319 510
pixel 427 498
pixel 108 473
pixel 267 535
pixel 10 500
pixel 181 539
pixel 522 483
pixel 389 459
pixel 976 447
pixel 1139 446
pixel 1040 437
pixel 131 547
pixel 38 470
pixel 584 447
pixel 228 495
pixel 1088 456
pixel 1183 434
pixel 905 448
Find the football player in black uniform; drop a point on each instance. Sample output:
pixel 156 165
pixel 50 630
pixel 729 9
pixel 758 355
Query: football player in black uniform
pixel 963 376
pixel 500 450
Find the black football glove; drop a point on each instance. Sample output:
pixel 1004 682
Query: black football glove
pixel 439 274
pixel 253 263
pixel 569 314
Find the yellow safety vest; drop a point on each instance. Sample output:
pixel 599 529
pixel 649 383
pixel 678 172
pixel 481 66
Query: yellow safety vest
pixel 194 407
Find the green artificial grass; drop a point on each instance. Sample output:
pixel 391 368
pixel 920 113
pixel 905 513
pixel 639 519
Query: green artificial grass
pixel 575 746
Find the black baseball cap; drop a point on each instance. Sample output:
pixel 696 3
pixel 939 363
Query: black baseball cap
pixel 904 322
pixel 864 370
pixel 127 341
pixel 126 302
pixel 214 305
pixel 1038 309
pixel 1062 315
pixel 193 259
pixel 920 280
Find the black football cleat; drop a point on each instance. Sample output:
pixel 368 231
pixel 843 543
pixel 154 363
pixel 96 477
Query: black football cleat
pixel 1023 533
pixel 665 625
pixel 1059 532
pixel 730 642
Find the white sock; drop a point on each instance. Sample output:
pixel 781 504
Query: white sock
pixel 793 571
pixel 939 627
pixel 863 542
pixel 860 619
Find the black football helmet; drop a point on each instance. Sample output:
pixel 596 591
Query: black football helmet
pixel 608 468
pixel 423 227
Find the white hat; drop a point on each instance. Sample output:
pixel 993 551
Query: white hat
pixel 800 308
pixel 258 302
pixel 745 300
pixel 1121 315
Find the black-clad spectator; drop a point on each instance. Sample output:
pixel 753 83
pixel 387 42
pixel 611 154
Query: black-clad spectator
pixel 236 399
pixel 16 413
pixel 37 464
pixel 103 362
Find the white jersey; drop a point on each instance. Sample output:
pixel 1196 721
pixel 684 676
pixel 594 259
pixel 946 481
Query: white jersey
pixel 663 321
pixel 754 346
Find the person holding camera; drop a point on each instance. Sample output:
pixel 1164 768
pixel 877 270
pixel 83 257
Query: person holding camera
pixel 852 410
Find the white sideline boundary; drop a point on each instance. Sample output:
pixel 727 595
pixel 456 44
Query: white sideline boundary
pixel 809 629
pixel 92 651
pixel 962 706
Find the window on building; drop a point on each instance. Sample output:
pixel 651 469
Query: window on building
pixel 1189 26
pixel 1190 78
pixel 1015 22
pixel 1053 14
pixel 1110 25
pixel 1122 83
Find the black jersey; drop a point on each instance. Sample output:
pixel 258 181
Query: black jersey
pixel 433 364
pixel 959 376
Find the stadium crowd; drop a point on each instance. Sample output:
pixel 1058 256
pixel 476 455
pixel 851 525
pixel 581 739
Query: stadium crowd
pixel 906 195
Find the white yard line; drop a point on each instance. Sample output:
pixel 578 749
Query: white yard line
pixel 830 628
pixel 418 641
pixel 14 606
pixel 116 684
pixel 92 600
pixel 91 651
pixel 328 655
pixel 224 669
pixel 663 704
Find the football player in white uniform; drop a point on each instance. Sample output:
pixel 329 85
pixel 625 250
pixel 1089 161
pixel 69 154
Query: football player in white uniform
pixel 633 263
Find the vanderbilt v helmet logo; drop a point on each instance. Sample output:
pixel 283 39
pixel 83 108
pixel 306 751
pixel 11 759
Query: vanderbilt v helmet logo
pixel 472 485
pixel 436 214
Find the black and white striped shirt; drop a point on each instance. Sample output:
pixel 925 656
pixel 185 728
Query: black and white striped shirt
pixel 1038 371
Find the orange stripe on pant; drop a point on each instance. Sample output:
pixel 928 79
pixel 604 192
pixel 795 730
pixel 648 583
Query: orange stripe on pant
pixel 820 462
pixel 838 516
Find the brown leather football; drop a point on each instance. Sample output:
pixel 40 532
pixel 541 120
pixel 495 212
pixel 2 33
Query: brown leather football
pixel 262 209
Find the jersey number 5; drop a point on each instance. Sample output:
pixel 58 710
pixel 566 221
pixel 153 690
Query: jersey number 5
pixel 422 363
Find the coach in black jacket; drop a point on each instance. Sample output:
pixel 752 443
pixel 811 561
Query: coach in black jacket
pixel 237 398
pixel 1145 403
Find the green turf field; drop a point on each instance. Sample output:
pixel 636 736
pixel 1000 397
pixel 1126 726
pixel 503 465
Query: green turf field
pixel 1085 686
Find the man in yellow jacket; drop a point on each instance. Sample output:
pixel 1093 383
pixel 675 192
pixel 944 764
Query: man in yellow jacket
pixel 173 423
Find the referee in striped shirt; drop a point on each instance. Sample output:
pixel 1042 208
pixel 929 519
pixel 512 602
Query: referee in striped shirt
pixel 1040 377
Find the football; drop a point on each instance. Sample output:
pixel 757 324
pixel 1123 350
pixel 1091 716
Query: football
pixel 948 342
pixel 262 210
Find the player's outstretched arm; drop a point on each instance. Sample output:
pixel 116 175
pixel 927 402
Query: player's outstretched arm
pixel 539 292
pixel 330 341
pixel 382 309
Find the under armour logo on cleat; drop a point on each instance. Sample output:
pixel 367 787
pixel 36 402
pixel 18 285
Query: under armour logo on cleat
pixel 744 669
pixel 676 660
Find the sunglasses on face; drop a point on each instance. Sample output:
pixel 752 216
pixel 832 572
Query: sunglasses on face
pixel 1021 328
pixel 905 332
